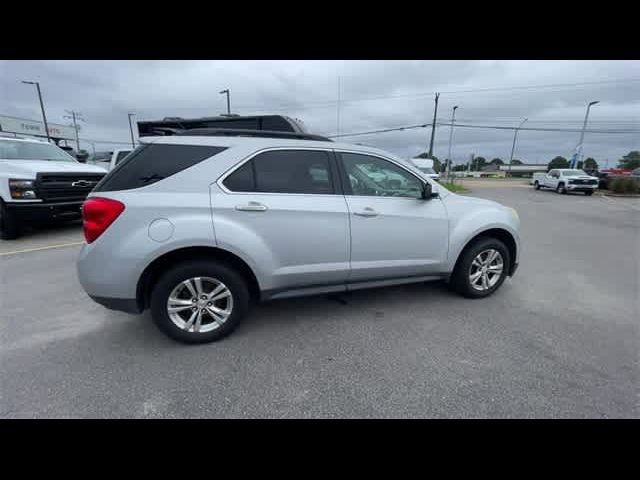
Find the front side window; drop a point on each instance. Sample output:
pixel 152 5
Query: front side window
pixel 373 176
pixel 284 171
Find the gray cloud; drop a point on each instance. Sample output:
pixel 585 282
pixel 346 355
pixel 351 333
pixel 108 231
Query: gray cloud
pixel 105 91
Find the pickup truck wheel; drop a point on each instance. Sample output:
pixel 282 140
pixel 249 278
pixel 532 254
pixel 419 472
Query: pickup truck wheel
pixel 589 193
pixel 199 301
pixel 536 185
pixel 481 269
pixel 561 189
pixel 8 224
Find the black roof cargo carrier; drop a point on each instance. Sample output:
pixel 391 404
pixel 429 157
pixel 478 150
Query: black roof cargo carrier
pixel 175 125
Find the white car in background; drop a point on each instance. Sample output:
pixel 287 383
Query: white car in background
pixel 425 165
pixel 108 160
pixel 40 182
pixel 564 180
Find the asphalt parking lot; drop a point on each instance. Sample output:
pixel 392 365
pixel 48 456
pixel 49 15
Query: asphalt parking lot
pixel 560 339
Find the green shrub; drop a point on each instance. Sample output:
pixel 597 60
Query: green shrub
pixel 625 185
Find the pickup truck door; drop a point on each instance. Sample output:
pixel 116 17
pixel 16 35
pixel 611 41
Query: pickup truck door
pixel 551 179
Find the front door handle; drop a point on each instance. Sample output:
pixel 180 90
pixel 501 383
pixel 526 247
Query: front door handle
pixel 367 212
pixel 252 207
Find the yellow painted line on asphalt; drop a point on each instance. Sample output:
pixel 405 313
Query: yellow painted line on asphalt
pixel 36 249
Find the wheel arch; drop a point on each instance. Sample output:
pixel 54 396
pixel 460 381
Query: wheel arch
pixel 502 234
pixel 152 272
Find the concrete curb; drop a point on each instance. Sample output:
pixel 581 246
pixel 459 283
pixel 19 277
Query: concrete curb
pixel 621 195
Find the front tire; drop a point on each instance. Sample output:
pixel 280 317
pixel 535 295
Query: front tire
pixel 481 269
pixel 536 185
pixel 589 193
pixel 199 301
pixel 561 189
pixel 8 223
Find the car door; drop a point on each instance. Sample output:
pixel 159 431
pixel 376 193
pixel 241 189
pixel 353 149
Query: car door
pixel 394 232
pixel 283 208
pixel 550 180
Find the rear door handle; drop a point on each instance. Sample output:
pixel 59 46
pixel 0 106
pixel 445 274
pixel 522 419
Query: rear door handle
pixel 252 207
pixel 367 212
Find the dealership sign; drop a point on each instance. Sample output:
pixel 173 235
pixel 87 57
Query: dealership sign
pixel 30 127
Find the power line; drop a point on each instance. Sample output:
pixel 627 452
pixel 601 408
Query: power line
pixel 427 94
pixel 496 127
pixel 540 129
pixel 409 127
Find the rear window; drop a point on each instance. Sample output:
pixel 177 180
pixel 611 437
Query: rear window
pixel 122 155
pixel 151 163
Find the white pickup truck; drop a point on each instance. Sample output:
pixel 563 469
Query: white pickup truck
pixel 38 182
pixel 564 180
pixel 109 160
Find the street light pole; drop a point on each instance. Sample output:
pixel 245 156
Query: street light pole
pixel 513 147
pixel 578 155
pixel 133 143
pixel 228 101
pixel 44 116
pixel 453 119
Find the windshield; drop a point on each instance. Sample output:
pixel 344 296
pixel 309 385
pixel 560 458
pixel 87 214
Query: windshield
pixel 14 150
pixel 572 173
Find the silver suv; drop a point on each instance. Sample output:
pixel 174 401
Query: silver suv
pixel 196 226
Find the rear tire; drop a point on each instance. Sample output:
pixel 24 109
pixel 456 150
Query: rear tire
pixel 461 278
pixel 536 185
pixel 8 224
pixel 172 281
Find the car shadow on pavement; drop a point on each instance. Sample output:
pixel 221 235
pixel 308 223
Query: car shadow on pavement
pixel 270 318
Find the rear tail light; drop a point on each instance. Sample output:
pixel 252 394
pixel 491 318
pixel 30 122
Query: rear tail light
pixel 98 214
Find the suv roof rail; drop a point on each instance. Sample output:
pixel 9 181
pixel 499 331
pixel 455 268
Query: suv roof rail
pixel 229 132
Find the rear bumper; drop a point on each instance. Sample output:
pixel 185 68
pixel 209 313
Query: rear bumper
pixel 45 211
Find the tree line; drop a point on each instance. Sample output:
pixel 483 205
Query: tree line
pixel 629 161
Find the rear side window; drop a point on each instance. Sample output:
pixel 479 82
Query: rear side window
pixel 284 171
pixel 151 163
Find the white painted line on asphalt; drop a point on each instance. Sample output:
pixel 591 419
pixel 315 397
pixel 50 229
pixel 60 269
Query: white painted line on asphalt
pixel 47 247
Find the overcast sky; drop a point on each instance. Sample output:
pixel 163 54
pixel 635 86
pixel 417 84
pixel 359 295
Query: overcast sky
pixel 374 95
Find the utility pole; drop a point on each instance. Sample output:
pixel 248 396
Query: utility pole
pixel 338 109
pixel 513 147
pixel 44 116
pixel 433 127
pixel 453 119
pixel 75 116
pixel 578 155
pixel 228 101
pixel 133 143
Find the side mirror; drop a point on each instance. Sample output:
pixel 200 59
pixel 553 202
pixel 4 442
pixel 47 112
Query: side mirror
pixel 427 192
